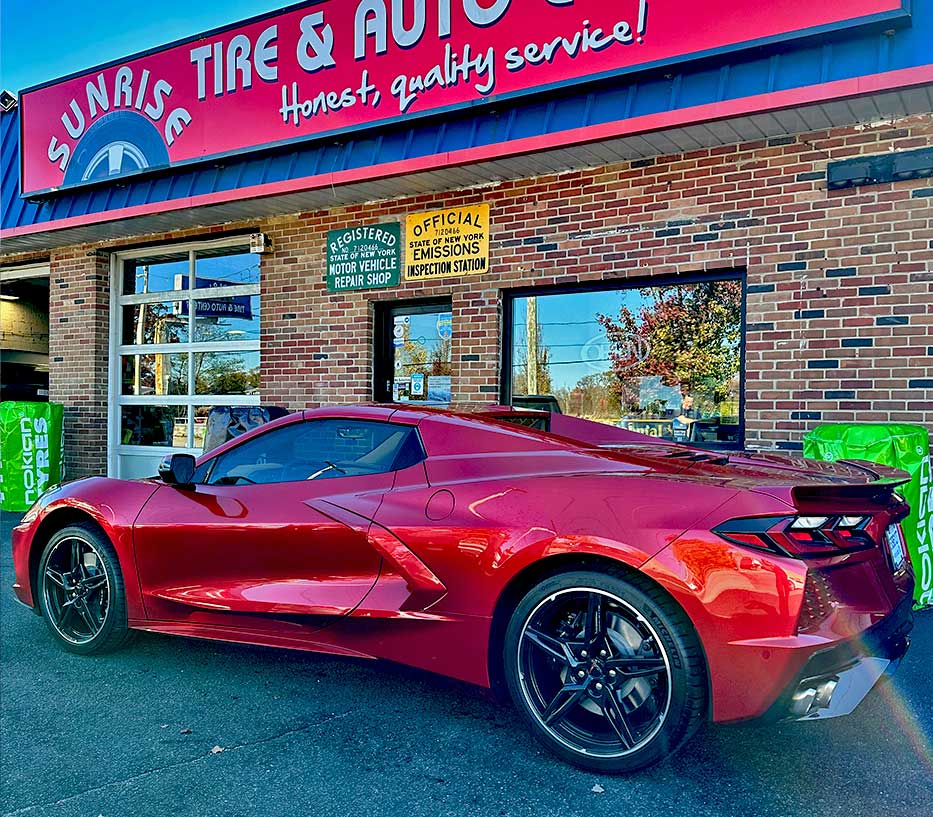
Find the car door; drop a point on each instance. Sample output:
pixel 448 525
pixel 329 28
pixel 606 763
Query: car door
pixel 267 533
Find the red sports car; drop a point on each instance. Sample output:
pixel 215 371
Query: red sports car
pixel 623 590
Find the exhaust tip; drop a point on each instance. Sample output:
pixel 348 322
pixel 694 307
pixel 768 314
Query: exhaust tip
pixel 813 695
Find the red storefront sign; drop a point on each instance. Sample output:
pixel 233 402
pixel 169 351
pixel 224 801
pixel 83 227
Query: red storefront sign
pixel 326 67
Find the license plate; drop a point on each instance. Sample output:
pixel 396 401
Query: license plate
pixel 895 542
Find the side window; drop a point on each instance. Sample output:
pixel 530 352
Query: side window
pixel 318 449
pixel 200 473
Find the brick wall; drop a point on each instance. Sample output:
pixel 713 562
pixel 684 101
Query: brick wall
pixel 840 283
pixel 79 320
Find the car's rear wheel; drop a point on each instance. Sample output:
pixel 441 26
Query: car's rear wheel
pixel 81 591
pixel 606 669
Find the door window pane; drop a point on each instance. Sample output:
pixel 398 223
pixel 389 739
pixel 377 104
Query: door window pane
pixel 422 361
pixel 226 372
pixel 161 322
pixel 160 273
pixel 155 374
pixel 154 426
pixel 220 319
pixel 317 449
pixel 225 267
pixel 200 426
pixel 661 360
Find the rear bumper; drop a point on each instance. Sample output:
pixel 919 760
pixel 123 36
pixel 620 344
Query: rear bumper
pixel 834 681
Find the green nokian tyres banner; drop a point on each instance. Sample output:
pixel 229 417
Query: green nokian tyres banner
pixel 901 446
pixel 30 452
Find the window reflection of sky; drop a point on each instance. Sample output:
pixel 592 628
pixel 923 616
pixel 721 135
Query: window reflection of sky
pixel 569 329
pixel 235 270
pixel 158 274
pixel 423 332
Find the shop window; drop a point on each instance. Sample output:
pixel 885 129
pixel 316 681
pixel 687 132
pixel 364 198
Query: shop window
pixel 413 353
pixel 186 339
pixel 662 359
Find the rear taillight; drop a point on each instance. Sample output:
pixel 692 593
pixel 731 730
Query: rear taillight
pixel 806 536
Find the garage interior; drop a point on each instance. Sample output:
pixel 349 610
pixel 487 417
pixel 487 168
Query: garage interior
pixel 24 337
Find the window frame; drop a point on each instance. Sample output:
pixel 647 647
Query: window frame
pixel 383 348
pixel 212 461
pixel 644 281
pixel 117 349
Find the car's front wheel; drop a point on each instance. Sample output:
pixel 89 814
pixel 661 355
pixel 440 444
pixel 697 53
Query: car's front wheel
pixel 81 593
pixel 606 670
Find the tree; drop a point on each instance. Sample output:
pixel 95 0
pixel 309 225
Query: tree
pixel 440 358
pixel 542 368
pixel 593 396
pixel 224 373
pixel 688 335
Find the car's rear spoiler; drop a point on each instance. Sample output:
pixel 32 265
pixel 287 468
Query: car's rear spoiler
pixel 884 481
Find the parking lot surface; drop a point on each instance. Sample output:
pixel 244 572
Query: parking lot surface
pixel 172 726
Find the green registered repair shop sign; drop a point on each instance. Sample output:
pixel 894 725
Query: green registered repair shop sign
pixel 364 257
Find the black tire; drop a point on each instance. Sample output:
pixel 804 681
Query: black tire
pixel 657 695
pixel 96 619
pixel 139 142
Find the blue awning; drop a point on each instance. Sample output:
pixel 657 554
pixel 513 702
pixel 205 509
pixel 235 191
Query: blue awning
pixel 812 62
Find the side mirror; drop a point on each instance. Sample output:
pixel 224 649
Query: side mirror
pixel 177 469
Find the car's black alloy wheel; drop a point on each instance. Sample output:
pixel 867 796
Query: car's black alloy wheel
pixel 606 669
pixel 80 590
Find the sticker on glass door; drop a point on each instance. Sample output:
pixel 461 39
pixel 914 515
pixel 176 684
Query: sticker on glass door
pixel 422 360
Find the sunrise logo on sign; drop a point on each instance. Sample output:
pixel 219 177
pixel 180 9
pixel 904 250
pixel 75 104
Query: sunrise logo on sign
pixel 117 127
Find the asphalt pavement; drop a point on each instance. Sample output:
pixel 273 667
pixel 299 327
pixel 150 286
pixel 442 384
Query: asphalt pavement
pixel 172 726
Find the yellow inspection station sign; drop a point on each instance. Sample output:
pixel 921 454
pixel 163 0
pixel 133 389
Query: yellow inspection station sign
pixel 443 243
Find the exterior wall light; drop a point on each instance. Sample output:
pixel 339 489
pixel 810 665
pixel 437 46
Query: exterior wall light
pixel 848 174
pixel 259 243
pixel 914 164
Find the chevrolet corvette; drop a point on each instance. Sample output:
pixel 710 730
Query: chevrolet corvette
pixel 621 590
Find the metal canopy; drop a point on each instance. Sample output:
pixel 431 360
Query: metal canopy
pixel 869 109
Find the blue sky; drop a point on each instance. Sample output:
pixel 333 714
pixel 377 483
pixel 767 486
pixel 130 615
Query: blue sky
pixel 570 330
pixel 45 39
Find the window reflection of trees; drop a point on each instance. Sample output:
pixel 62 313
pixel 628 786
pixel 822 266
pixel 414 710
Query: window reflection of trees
pixel 675 353
pixel 226 373
pixel 417 354
pixel 693 334
pixel 159 322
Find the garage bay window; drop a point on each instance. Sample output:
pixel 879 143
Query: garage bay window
pixel 664 359
pixel 185 338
